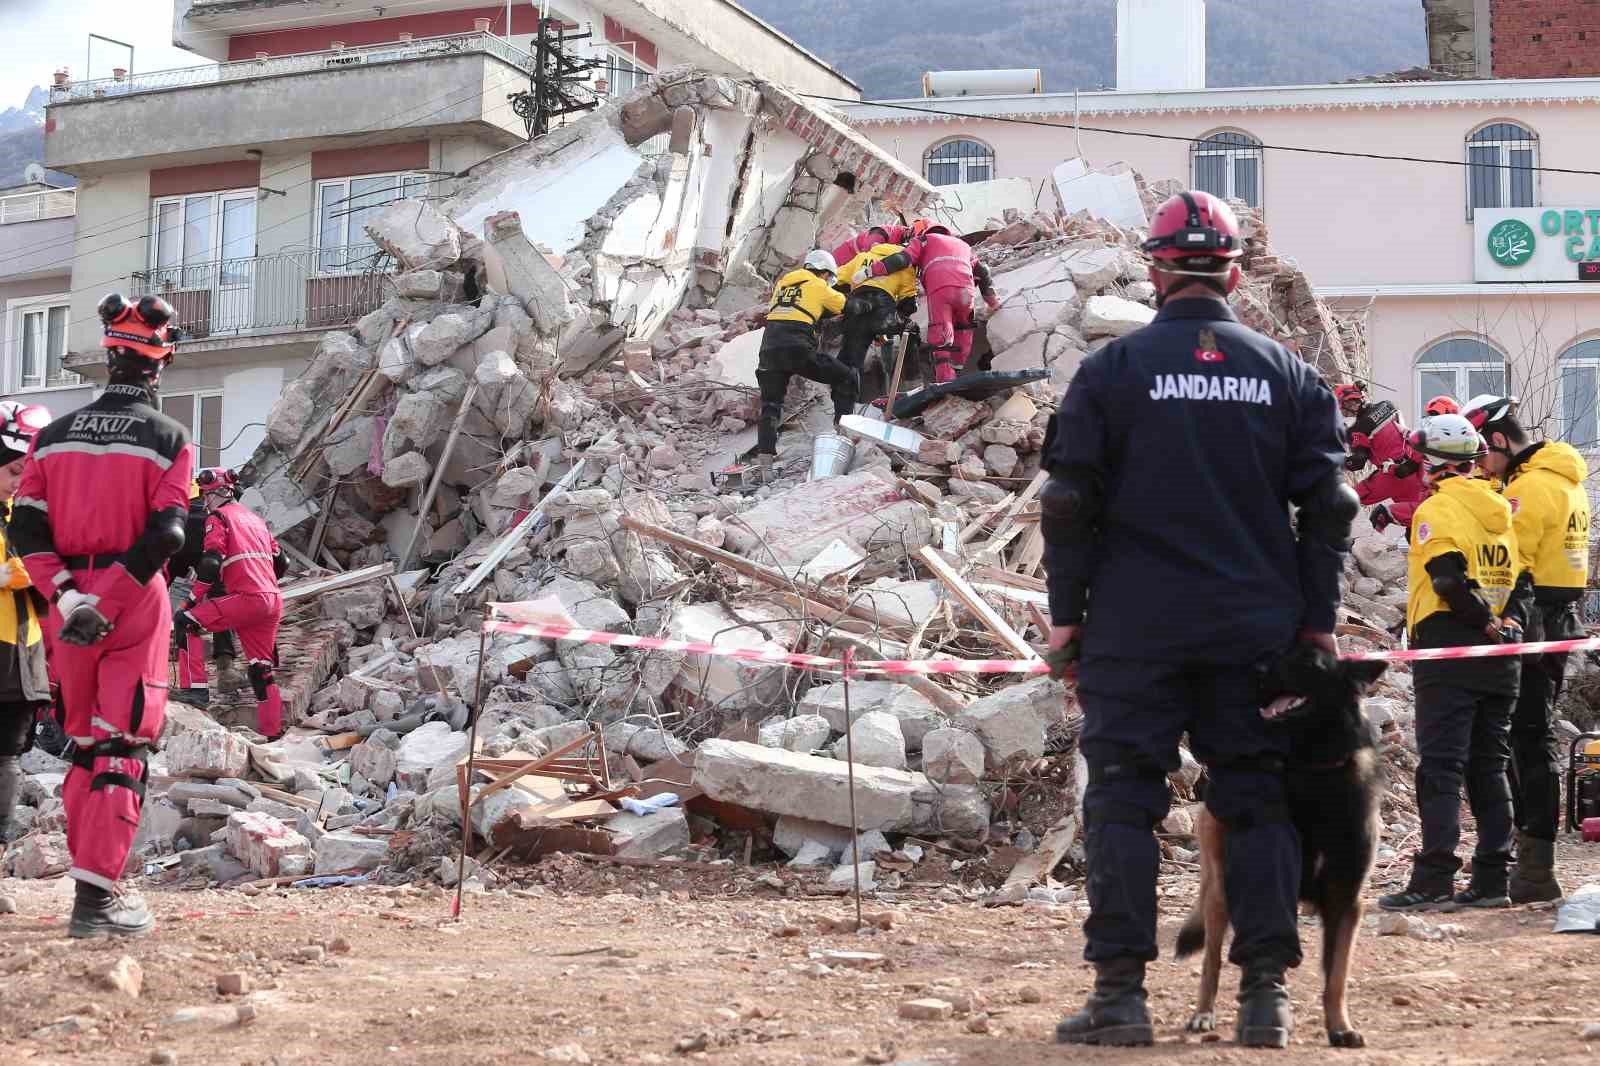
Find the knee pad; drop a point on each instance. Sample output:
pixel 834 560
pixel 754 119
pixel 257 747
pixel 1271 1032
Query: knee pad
pixel 115 762
pixel 261 677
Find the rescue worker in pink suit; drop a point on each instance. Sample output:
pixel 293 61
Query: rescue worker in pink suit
pixel 241 551
pixel 1377 436
pixel 949 274
pixel 867 239
pixel 99 510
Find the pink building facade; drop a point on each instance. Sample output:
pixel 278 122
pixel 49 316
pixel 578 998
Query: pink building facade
pixel 1470 270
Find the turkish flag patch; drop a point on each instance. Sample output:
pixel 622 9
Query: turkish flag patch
pixel 1207 352
pixel 1424 531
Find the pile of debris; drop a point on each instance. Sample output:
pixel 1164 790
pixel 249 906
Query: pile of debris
pixel 543 413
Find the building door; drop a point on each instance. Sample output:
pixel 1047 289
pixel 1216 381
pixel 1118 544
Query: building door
pixel 203 259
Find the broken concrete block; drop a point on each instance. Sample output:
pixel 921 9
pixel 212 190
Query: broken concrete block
pixel 791 835
pixel 806 786
pixel 40 855
pixel 291 415
pixel 875 740
pixel 363 606
pixel 211 754
pixel 806 733
pixel 1008 723
pixel 441 338
pixel 417 234
pixel 424 749
pixel 345 852
pixel 952 757
pixel 952 416
pixel 648 836
pixel 652 744
pixel 517 487
pixel 374 761
pixel 1381 557
pixel 446 383
pixel 1113 316
pixel 419 284
pixel 349 448
pixel 862 509
pixel 732 685
pixel 1000 459
pixel 419 420
pixel 915 712
pixel 412 468
pixel 529 275
pixel 264 844
pixel 495 371
pixel 1093 269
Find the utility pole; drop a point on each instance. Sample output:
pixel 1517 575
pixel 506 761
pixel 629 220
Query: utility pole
pixel 556 83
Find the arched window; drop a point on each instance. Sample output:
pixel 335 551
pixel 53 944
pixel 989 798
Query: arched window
pixel 1580 395
pixel 1228 164
pixel 1501 158
pixel 961 160
pixel 1462 367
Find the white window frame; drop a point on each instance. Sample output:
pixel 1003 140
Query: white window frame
pixel 1208 148
pixel 199 397
pixel 214 252
pixel 17 312
pixel 622 52
pixel 1504 170
pixel 1589 361
pixel 1463 371
pixel 347 265
pixel 965 163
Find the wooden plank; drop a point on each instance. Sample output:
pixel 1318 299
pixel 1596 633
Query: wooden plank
pixel 983 518
pixel 1037 864
pixel 1026 558
pixel 341 741
pixel 1005 577
pixel 975 603
pixel 1009 518
pixel 319 585
pixel 903 346
pixel 756 571
pixel 286 797
pixel 438 476
pixel 572 811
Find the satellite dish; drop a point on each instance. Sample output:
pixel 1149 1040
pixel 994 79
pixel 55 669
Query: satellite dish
pixel 33 174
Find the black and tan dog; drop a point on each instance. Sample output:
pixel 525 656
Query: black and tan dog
pixel 1334 786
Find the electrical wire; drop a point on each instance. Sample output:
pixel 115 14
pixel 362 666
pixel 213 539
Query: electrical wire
pixel 1336 152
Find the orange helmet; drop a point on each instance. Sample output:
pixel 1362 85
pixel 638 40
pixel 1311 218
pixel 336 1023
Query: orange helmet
pixel 140 328
pixel 919 226
pixel 1442 405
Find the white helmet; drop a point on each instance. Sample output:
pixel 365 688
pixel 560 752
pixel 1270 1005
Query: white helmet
pixel 1445 440
pixel 821 261
pixel 1487 408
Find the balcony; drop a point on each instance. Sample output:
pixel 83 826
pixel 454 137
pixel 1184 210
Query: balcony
pixel 453 84
pixel 294 292
pixel 36 235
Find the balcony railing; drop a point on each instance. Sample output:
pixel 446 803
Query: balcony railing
pixel 284 293
pixel 35 206
pixel 301 63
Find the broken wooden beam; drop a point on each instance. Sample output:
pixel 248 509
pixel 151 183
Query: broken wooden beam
pixel 1037 864
pixel 317 586
pixel 975 603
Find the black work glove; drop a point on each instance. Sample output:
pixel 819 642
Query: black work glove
pixel 1063 661
pixel 907 307
pixel 84 624
pixel 1358 459
pixel 1406 467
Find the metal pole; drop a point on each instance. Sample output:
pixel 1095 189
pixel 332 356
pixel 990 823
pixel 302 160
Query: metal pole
pixel 472 755
pixel 850 755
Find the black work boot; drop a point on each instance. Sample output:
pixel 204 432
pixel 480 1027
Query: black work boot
pixel 1115 1014
pixel 1533 879
pixel 1487 887
pixel 97 913
pixel 1264 1017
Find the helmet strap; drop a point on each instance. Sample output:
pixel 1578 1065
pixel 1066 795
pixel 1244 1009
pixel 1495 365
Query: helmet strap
pixel 1216 282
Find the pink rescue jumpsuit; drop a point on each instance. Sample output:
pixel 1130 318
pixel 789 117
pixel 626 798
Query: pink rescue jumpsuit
pixel 950 277
pixel 1388 446
pixel 892 233
pixel 241 549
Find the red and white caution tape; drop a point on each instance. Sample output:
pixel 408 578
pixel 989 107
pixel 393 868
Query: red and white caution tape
pixel 558 631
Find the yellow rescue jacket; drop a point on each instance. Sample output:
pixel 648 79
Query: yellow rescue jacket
pixel 901 284
pixel 1463 515
pixel 801 296
pixel 1550 514
pixel 10 629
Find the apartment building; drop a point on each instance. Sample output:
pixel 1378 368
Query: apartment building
pixel 238 190
pixel 36 232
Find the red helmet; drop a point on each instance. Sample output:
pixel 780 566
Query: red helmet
pixel 217 479
pixel 140 327
pixel 1345 393
pixel 1194 224
pixel 1442 405
pixel 18 424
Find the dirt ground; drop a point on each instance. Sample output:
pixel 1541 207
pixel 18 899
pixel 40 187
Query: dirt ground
pixel 576 962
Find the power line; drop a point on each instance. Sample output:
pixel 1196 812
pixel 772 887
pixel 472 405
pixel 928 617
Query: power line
pixel 1336 152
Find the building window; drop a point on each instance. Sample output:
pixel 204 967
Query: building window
pixel 201 241
pixel 37 331
pixel 1460 367
pixel 623 73
pixel 958 161
pixel 343 207
pixel 1580 395
pixel 1501 162
pixel 1228 164
pixel 201 414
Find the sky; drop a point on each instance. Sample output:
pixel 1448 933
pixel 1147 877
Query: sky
pixel 38 36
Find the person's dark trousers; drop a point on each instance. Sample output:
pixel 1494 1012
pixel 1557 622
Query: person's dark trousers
pixel 1535 754
pixel 869 313
pixel 1134 714
pixel 1463 738
pixel 785 353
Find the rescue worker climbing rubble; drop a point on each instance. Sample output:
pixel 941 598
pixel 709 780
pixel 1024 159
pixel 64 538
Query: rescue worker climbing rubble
pixel 1463 566
pixel 877 306
pixel 1378 438
pixel 99 510
pixel 240 550
pixel 1544 485
pixel 1175 568
pixel 24 677
pixel 194 682
pixel 867 239
pixel 950 275
pixel 801 299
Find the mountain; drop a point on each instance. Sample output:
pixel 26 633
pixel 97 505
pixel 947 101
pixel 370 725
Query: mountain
pixel 886 48
pixel 22 141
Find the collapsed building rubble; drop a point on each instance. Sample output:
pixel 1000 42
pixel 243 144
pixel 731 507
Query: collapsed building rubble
pixel 543 411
